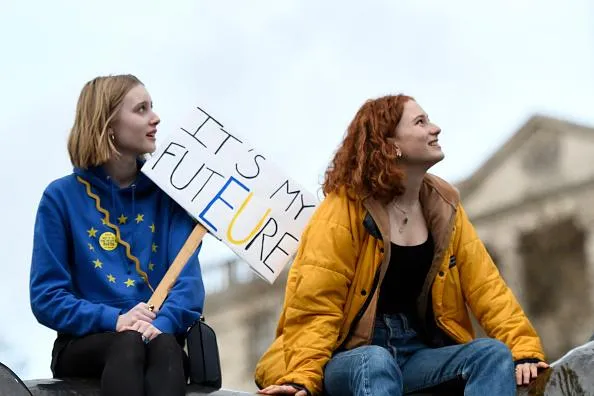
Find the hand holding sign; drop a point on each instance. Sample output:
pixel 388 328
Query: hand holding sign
pixel 233 191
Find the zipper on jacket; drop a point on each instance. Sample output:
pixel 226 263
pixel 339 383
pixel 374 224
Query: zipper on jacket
pixel 422 309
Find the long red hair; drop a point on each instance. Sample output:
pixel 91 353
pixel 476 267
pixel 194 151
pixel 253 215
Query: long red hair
pixel 366 162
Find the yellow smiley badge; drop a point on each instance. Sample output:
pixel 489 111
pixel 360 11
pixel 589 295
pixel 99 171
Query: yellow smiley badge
pixel 108 241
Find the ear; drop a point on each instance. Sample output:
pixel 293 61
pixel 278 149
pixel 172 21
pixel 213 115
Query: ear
pixel 394 142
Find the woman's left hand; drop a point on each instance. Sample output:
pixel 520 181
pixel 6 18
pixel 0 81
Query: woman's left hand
pixel 525 372
pixel 148 331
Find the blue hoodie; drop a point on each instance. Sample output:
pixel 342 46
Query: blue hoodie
pixel 87 269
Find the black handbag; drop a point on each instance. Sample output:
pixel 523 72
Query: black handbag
pixel 203 353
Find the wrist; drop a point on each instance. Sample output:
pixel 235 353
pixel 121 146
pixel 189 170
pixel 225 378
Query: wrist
pixel 118 325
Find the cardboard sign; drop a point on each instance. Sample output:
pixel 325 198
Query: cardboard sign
pixel 234 191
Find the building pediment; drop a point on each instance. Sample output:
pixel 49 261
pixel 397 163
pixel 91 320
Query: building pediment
pixel 544 156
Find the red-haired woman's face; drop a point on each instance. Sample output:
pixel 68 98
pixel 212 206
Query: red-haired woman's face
pixel 417 137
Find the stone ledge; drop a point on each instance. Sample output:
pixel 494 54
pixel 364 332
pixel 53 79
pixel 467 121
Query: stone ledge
pixel 82 387
pixel 85 387
pixel 570 375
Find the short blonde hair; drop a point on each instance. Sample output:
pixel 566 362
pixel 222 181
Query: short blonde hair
pixel 89 143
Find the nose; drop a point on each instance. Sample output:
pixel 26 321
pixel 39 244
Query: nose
pixel 155 120
pixel 436 130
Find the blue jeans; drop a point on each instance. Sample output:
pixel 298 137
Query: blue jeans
pixel 398 363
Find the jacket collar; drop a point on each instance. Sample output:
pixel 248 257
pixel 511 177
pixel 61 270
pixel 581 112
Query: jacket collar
pixel 438 200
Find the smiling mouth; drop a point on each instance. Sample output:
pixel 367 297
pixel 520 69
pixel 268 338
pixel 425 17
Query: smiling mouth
pixel 434 143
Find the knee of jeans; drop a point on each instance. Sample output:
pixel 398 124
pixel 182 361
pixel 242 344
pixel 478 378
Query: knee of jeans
pixel 129 346
pixel 495 350
pixel 379 359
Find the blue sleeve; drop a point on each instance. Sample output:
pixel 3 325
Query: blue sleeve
pixel 53 301
pixel 185 300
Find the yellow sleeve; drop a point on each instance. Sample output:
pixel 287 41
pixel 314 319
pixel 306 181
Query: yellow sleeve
pixel 488 296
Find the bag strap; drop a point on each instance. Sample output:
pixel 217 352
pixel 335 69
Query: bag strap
pixel 202 322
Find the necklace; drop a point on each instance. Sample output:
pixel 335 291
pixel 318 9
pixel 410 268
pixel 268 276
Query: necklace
pixel 405 221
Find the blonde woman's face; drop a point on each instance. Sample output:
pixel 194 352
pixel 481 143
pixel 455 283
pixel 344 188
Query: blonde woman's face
pixel 135 126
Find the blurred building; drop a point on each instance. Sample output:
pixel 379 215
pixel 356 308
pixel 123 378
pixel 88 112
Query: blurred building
pixel 532 203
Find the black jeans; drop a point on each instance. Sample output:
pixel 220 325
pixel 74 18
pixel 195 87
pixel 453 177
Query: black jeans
pixel 125 364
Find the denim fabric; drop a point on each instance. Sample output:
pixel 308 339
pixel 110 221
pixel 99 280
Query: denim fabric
pixel 399 363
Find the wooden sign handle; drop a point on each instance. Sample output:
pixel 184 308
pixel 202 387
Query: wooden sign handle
pixel 176 267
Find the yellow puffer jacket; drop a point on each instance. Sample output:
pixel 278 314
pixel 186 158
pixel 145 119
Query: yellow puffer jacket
pixel 332 288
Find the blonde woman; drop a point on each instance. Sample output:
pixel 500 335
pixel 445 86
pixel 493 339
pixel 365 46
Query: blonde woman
pixel 104 237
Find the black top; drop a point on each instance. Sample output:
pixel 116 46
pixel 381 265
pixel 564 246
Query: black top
pixel 404 278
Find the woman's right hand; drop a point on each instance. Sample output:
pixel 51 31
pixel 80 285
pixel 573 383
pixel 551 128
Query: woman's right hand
pixel 282 390
pixel 140 312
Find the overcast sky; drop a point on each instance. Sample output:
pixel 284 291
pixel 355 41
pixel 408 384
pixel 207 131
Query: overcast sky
pixel 287 76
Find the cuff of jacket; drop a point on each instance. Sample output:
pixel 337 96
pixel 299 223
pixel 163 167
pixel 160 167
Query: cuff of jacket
pixel 528 360
pixel 109 318
pixel 164 324
pixel 300 387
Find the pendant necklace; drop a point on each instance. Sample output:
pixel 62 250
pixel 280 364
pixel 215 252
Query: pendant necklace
pixel 405 221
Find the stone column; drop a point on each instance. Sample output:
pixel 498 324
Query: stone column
pixel 589 251
pixel 585 218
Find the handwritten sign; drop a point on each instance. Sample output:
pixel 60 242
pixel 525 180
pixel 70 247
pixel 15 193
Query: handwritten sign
pixel 234 191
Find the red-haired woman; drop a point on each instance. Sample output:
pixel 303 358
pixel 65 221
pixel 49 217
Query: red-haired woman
pixel 376 299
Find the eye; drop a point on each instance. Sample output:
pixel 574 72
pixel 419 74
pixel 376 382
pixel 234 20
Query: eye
pixel 420 121
pixel 142 108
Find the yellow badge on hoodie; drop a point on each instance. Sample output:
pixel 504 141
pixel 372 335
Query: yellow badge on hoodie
pixel 108 241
